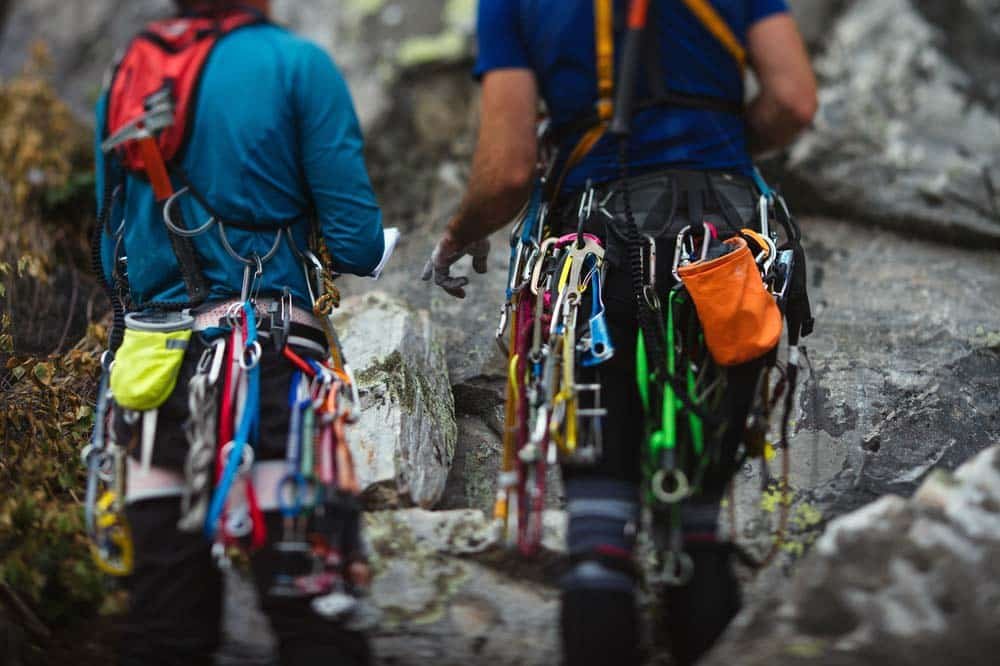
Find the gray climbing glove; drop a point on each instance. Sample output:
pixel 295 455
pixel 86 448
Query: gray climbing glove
pixel 441 261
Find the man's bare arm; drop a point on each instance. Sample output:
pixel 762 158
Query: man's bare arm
pixel 504 163
pixel 787 101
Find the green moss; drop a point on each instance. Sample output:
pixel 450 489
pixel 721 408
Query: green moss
pixel 806 516
pixel 411 387
pixel 422 50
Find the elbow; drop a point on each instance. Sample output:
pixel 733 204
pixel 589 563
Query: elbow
pixel 372 259
pixel 369 256
pixel 516 180
pixel 799 106
pixel 805 109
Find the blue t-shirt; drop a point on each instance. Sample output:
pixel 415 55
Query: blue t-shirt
pixel 556 41
pixel 275 135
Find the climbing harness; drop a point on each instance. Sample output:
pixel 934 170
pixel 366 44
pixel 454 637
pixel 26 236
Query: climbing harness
pixel 150 116
pixel 556 333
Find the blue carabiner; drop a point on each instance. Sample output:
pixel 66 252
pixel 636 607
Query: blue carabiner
pixel 601 348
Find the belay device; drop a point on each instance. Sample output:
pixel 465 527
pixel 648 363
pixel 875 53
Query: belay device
pixel 685 347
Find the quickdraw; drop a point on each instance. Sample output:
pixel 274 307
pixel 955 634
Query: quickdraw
pixel 318 494
pixel 234 492
pixel 682 444
pixel 551 416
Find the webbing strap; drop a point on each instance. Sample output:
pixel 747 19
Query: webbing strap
pixel 706 14
pixel 709 17
pixel 604 30
pixel 604 33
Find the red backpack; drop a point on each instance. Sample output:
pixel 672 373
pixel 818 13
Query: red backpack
pixel 154 90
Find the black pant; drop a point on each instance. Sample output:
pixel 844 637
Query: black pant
pixel 599 619
pixel 176 600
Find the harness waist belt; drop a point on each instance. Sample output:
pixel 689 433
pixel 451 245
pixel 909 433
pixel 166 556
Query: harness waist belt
pixel 210 318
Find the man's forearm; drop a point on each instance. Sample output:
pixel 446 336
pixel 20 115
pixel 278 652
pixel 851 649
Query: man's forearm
pixel 491 201
pixel 503 167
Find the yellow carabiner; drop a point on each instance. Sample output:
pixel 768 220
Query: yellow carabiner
pixel 111 547
pixel 564 276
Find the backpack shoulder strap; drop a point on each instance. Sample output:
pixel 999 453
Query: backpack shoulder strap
pixel 604 38
pixel 709 17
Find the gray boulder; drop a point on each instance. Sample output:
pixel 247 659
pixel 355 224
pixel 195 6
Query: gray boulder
pixel 404 443
pixel 905 136
pixel 899 582
pixel 446 593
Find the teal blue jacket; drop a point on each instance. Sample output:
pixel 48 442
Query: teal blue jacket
pixel 275 136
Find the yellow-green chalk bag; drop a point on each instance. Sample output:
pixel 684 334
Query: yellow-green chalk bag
pixel 149 360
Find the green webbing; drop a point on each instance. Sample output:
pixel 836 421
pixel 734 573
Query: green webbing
pixel 665 439
pixel 642 371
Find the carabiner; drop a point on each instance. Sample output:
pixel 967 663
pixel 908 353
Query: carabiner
pixel 662 482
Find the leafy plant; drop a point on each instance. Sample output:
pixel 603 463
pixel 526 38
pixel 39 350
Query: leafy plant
pixel 45 419
pixel 45 399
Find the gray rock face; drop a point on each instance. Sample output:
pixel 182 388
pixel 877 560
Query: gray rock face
pixel 903 373
pixel 373 42
pixel 905 361
pixel 815 19
pixel 443 600
pixel 82 39
pixel 905 136
pixel 405 440
pixel 898 582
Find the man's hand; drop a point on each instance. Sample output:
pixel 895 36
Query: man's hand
pixel 445 254
pixel 503 170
